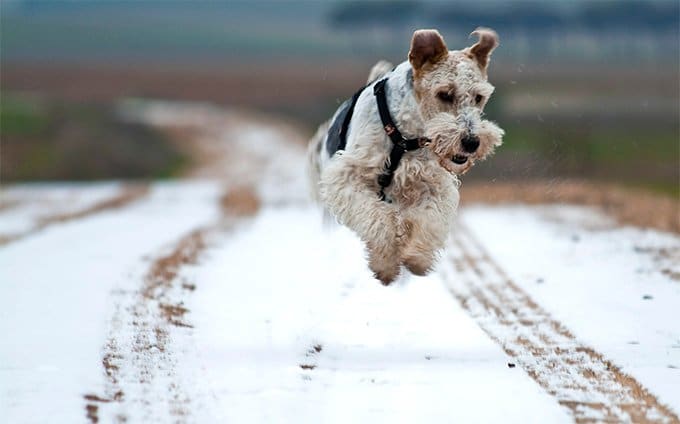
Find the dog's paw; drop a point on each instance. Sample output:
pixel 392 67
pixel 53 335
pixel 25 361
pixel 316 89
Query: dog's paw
pixel 383 269
pixel 386 277
pixel 417 266
pixel 383 260
pixel 419 263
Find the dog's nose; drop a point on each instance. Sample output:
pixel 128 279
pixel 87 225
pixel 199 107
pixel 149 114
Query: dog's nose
pixel 470 143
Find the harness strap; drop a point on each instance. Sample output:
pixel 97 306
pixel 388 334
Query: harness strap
pixel 348 117
pixel 400 145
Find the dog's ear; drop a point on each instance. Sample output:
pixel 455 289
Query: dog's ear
pixel 427 46
pixel 481 52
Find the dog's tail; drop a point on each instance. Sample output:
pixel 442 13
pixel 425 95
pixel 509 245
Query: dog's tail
pixel 314 152
pixel 379 70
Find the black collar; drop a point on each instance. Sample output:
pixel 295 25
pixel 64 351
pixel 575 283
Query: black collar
pixel 400 145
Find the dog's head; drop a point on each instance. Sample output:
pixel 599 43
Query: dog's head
pixel 451 89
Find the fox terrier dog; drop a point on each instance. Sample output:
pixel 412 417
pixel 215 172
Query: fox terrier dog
pixel 387 164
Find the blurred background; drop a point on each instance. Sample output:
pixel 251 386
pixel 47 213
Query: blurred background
pixel 584 89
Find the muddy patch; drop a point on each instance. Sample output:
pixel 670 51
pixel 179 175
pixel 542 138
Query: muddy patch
pixel 174 313
pixel 92 412
pixel 240 202
pixel 92 406
pixel 164 270
pixel 311 361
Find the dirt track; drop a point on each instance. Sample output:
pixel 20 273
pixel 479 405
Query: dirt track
pixel 544 347
pixel 155 309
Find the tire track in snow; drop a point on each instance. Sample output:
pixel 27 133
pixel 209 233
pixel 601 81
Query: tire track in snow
pixel 149 326
pixel 157 321
pixel 127 195
pixel 137 358
pixel 582 380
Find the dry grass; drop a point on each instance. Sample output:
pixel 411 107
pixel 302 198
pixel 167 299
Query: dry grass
pixel 240 202
pixel 628 206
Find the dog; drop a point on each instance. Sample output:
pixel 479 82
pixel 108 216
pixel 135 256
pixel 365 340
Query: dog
pixel 390 172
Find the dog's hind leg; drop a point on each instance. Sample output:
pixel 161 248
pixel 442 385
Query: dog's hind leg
pixel 314 151
pixel 348 196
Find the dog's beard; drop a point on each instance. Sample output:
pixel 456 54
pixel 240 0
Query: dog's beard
pixel 446 133
pixel 490 136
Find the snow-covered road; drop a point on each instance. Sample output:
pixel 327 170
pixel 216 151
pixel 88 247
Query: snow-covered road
pixel 227 300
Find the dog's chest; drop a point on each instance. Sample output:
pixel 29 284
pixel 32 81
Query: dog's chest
pixel 419 177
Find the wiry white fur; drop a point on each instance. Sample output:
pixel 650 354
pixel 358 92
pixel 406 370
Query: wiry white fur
pixel 412 227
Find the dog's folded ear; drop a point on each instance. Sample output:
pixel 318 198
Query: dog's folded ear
pixel 427 46
pixel 481 52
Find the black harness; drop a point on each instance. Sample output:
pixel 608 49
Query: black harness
pixel 337 133
pixel 337 137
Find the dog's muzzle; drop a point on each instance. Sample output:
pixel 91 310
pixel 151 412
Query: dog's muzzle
pixel 470 143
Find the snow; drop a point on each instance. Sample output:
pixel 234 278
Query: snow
pixel 271 289
pixel 405 353
pixel 594 282
pixel 56 292
pixel 281 177
pixel 28 204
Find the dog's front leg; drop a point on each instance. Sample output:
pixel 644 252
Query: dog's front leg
pixel 349 194
pixel 426 226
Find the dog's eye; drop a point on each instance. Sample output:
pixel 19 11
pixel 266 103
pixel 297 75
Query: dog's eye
pixel 479 98
pixel 445 96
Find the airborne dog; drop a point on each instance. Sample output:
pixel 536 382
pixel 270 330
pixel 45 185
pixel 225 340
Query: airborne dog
pixel 386 164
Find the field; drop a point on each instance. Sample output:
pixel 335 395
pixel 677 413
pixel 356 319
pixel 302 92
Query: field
pixel 220 296
pixel 160 259
pixel 606 124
